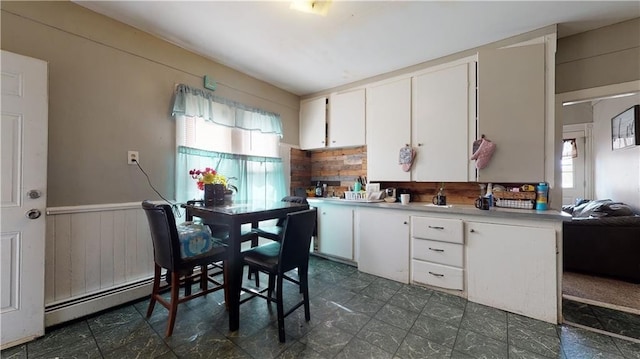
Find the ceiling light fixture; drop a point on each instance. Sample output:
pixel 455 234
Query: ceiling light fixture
pixel 311 6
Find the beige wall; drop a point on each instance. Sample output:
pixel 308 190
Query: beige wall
pixel 600 57
pixel 578 113
pixel 110 91
pixel 617 173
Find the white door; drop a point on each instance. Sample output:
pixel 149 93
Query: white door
pixel 23 196
pixel 573 169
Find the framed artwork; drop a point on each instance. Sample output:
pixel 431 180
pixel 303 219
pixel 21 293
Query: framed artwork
pixel 624 128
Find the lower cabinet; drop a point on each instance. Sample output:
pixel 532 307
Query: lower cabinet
pixel 513 268
pixel 335 230
pixel 383 240
pixel 437 252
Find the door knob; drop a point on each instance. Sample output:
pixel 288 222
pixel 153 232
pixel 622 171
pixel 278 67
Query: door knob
pixel 34 193
pixel 33 213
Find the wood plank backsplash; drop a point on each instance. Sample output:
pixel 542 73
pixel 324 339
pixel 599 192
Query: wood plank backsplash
pixel 339 168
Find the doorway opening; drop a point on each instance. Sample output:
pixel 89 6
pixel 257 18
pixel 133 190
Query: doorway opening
pixel 596 303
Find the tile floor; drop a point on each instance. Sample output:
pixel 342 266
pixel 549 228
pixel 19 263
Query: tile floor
pixel 353 315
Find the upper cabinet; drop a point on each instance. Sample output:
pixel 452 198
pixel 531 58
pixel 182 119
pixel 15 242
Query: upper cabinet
pixel 344 125
pixel 346 119
pixel 443 114
pixel 313 123
pixel 388 129
pixel 511 112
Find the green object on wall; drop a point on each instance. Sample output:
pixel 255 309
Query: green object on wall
pixel 209 83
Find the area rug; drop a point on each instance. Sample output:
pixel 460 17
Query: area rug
pixel 597 290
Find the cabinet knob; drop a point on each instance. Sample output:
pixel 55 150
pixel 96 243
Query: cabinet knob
pixel 473 231
pixel 436 274
pixel 436 227
pixel 333 141
pixel 405 222
pixel 321 141
pixel 419 144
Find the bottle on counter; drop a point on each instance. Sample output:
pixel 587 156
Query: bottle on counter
pixel 325 192
pixel 489 194
pixel 318 190
pixel 542 194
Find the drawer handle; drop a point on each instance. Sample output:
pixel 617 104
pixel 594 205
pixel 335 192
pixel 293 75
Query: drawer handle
pixel 436 274
pixel 436 249
pixel 436 227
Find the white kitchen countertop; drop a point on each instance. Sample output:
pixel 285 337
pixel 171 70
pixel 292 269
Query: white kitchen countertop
pixel 428 207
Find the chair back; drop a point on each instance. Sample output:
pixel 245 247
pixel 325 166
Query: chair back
pixel 292 199
pixel 296 239
pixel 164 234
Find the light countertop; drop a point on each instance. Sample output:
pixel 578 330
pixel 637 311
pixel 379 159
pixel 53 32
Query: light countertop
pixel 462 209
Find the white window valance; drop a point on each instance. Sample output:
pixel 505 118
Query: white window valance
pixel 193 102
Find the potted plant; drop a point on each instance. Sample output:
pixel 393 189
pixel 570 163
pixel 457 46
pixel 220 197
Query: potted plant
pixel 214 184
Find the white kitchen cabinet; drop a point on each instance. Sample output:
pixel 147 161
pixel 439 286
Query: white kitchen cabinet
pixel 437 247
pixel 313 119
pixel 511 112
pixel 346 119
pixel 335 230
pixel 442 113
pixel 513 267
pixel 388 129
pixel 383 242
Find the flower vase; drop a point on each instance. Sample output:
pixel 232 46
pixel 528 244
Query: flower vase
pixel 228 197
pixel 218 194
pixel 209 195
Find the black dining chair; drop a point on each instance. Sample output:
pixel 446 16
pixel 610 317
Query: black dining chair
pixel 180 250
pixel 274 233
pixel 278 258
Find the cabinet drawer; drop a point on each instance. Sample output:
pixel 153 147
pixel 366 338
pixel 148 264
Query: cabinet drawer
pixel 438 252
pixel 437 275
pixel 446 230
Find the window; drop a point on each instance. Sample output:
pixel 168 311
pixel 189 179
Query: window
pixel 569 152
pixel 237 141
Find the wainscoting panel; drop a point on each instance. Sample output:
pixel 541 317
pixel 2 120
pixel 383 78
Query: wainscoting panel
pixel 96 257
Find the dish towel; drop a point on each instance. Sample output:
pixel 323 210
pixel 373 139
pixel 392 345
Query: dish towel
pixel 407 154
pixel 483 150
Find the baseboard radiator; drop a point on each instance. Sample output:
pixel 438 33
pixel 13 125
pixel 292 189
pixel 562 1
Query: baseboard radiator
pixel 97 257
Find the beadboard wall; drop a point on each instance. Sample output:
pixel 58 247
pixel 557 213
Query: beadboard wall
pixel 97 257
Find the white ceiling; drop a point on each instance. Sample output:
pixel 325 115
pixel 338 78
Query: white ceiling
pixel 306 53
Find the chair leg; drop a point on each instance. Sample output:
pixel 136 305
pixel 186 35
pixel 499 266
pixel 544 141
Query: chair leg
pixel 173 310
pixel 225 273
pixel 304 287
pixel 280 306
pixel 204 277
pixel 272 285
pixel 156 289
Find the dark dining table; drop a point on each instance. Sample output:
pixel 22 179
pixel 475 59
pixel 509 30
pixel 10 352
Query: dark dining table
pixel 234 216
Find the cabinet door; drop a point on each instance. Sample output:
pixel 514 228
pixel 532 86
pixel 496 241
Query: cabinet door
pixel 513 268
pixel 335 231
pixel 383 240
pixel 313 128
pixel 511 112
pixel 388 129
pixel 346 119
pixel 441 125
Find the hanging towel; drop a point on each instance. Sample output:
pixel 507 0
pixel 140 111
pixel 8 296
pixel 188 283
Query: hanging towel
pixel 407 154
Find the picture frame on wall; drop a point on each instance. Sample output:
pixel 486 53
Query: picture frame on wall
pixel 624 128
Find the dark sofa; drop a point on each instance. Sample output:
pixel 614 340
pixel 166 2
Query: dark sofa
pixel 603 238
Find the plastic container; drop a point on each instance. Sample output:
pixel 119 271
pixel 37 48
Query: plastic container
pixel 542 196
